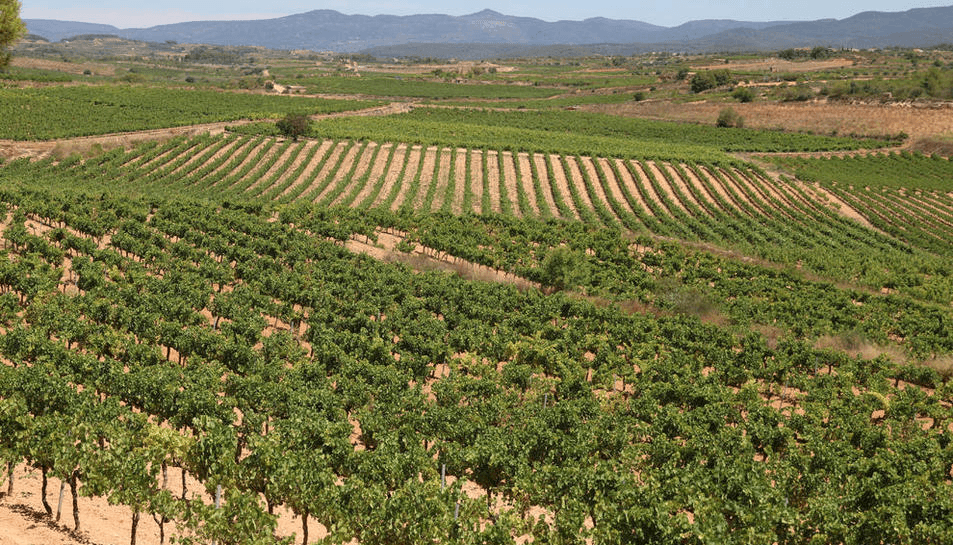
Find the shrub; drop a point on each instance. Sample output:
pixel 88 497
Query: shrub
pixel 709 79
pixel 294 125
pixel 743 94
pixel 728 117
pixel 563 268
pixel 640 96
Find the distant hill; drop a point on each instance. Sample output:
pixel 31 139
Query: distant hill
pixel 479 35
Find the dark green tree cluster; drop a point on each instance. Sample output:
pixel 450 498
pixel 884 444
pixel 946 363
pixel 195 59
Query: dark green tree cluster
pixel 709 79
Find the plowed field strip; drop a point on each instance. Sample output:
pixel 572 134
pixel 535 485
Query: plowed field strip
pixel 205 163
pixel 292 167
pixel 598 192
pixel 791 201
pixel 203 180
pixel 197 159
pixel 758 196
pixel 330 161
pixel 577 188
pixel 862 207
pixel 545 194
pixel 302 163
pixel 559 182
pixel 663 183
pixel 613 184
pixel 359 179
pixel 263 163
pixel 744 196
pixel 526 184
pixel 443 178
pixel 324 149
pixel 843 207
pixel 476 180
pixel 649 195
pixel 726 192
pixel 546 190
pixel 929 201
pixel 914 207
pixel 493 179
pixel 460 177
pixel 168 155
pixel 925 221
pixel 386 157
pixel 630 186
pixel 279 166
pixel 392 175
pixel 717 193
pixel 430 164
pixel 682 189
pixel 413 165
pixel 235 174
pixel 703 194
pixel 510 182
pixel 943 199
pixel 345 168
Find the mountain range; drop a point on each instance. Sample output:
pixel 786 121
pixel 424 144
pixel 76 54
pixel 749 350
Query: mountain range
pixel 328 30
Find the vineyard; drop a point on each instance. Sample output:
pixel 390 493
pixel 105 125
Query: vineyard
pixel 471 326
pixel 59 112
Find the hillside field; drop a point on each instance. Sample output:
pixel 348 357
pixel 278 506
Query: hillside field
pixel 564 301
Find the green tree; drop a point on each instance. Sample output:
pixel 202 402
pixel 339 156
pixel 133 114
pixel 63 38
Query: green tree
pixel 294 125
pixel 563 268
pixel 11 28
pixel 728 117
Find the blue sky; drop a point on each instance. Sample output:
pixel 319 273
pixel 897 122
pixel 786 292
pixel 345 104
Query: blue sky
pixel 125 14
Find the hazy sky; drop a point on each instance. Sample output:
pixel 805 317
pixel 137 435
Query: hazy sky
pixel 126 14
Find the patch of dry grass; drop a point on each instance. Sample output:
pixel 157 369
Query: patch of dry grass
pixel 854 345
pixel 942 365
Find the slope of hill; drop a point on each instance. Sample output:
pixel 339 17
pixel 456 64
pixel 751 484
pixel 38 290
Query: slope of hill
pixel 331 30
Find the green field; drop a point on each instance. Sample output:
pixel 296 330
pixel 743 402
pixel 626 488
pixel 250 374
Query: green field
pixel 61 112
pixel 473 326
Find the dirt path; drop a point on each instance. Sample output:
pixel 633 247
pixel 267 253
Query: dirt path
pixel 842 207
